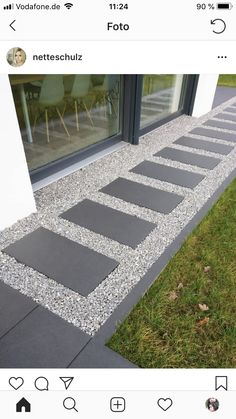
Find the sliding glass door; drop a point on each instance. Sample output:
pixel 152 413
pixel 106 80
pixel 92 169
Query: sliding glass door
pixel 65 117
pixel 60 115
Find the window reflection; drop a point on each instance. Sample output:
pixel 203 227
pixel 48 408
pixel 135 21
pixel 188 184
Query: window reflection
pixel 161 96
pixel 61 114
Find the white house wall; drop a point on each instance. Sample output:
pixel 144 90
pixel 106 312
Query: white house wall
pixel 205 93
pixel 17 199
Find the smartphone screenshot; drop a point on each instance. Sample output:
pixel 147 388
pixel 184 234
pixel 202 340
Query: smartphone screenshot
pixel 117 209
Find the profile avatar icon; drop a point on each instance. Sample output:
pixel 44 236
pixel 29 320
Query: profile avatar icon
pixel 212 404
pixel 16 57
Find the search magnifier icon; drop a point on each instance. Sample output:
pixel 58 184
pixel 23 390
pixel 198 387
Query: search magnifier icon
pixel 69 404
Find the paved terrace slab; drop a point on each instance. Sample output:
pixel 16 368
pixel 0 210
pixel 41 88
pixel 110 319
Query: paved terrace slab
pixel 42 340
pixel 65 322
pixel 14 307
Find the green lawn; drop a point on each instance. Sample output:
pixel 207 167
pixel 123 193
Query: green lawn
pixel 227 80
pixel 153 83
pixel 187 319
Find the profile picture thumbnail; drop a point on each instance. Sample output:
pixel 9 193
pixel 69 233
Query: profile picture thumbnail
pixel 212 404
pixel 16 57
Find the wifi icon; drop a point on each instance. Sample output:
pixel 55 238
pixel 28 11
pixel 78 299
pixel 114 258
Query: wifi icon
pixel 68 5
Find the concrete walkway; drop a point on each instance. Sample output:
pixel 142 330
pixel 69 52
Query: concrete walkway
pixel 100 238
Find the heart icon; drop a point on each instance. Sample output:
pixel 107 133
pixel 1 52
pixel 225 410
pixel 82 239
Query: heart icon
pixel 164 404
pixel 16 382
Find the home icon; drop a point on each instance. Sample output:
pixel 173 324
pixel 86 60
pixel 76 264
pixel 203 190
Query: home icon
pixel 23 406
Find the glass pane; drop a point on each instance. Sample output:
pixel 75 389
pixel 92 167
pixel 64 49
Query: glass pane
pixel 161 96
pixel 61 114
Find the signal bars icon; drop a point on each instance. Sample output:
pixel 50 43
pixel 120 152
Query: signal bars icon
pixel 9 7
pixel 68 5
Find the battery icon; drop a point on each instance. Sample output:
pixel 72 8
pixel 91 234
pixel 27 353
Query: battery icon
pixel 225 6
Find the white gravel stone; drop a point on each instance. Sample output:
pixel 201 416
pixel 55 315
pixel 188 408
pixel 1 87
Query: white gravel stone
pixel 91 312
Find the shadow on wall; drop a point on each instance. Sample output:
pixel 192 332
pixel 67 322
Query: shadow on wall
pixel 222 94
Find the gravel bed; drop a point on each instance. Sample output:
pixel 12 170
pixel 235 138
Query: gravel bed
pixel 91 312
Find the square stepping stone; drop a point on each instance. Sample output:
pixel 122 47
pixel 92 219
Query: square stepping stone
pixel 220 124
pixel 75 266
pixel 226 116
pixel 124 228
pixel 142 195
pixel 41 340
pixel 14 306
pixel 188 158
pixel 219 135
pixel 168 174
pixel 205 145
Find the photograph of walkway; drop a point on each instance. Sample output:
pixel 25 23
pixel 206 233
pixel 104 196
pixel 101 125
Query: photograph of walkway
pixel 72 271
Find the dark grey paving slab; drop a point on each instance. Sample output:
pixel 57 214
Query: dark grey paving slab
pixel 188 158
pixel 230 109
pixel 99 356
pixel 219 135
pixel 204 145
pixel 117 225
pixel 63 260
pixel 13 307
pixel 168 174
pixel 226 116
pixel 41 340
pixel 142 195
pixel 220 124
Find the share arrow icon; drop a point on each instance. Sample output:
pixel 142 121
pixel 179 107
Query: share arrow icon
pixel 67 381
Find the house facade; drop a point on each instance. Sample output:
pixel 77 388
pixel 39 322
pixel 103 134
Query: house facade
pixel 54 124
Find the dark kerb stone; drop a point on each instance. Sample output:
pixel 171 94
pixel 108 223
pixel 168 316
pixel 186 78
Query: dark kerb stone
pixel 220 124
pixel 63 260
pixel 204 145
pixel 116 225
pixel 168 174
pixel 13 307
pixel 188 158
pixel 142 195
pixel 226 116
pixel 41 340
pixel 219 135
pixel 96 355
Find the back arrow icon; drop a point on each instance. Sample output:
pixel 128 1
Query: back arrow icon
pixel 213 22
pixel 11 25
